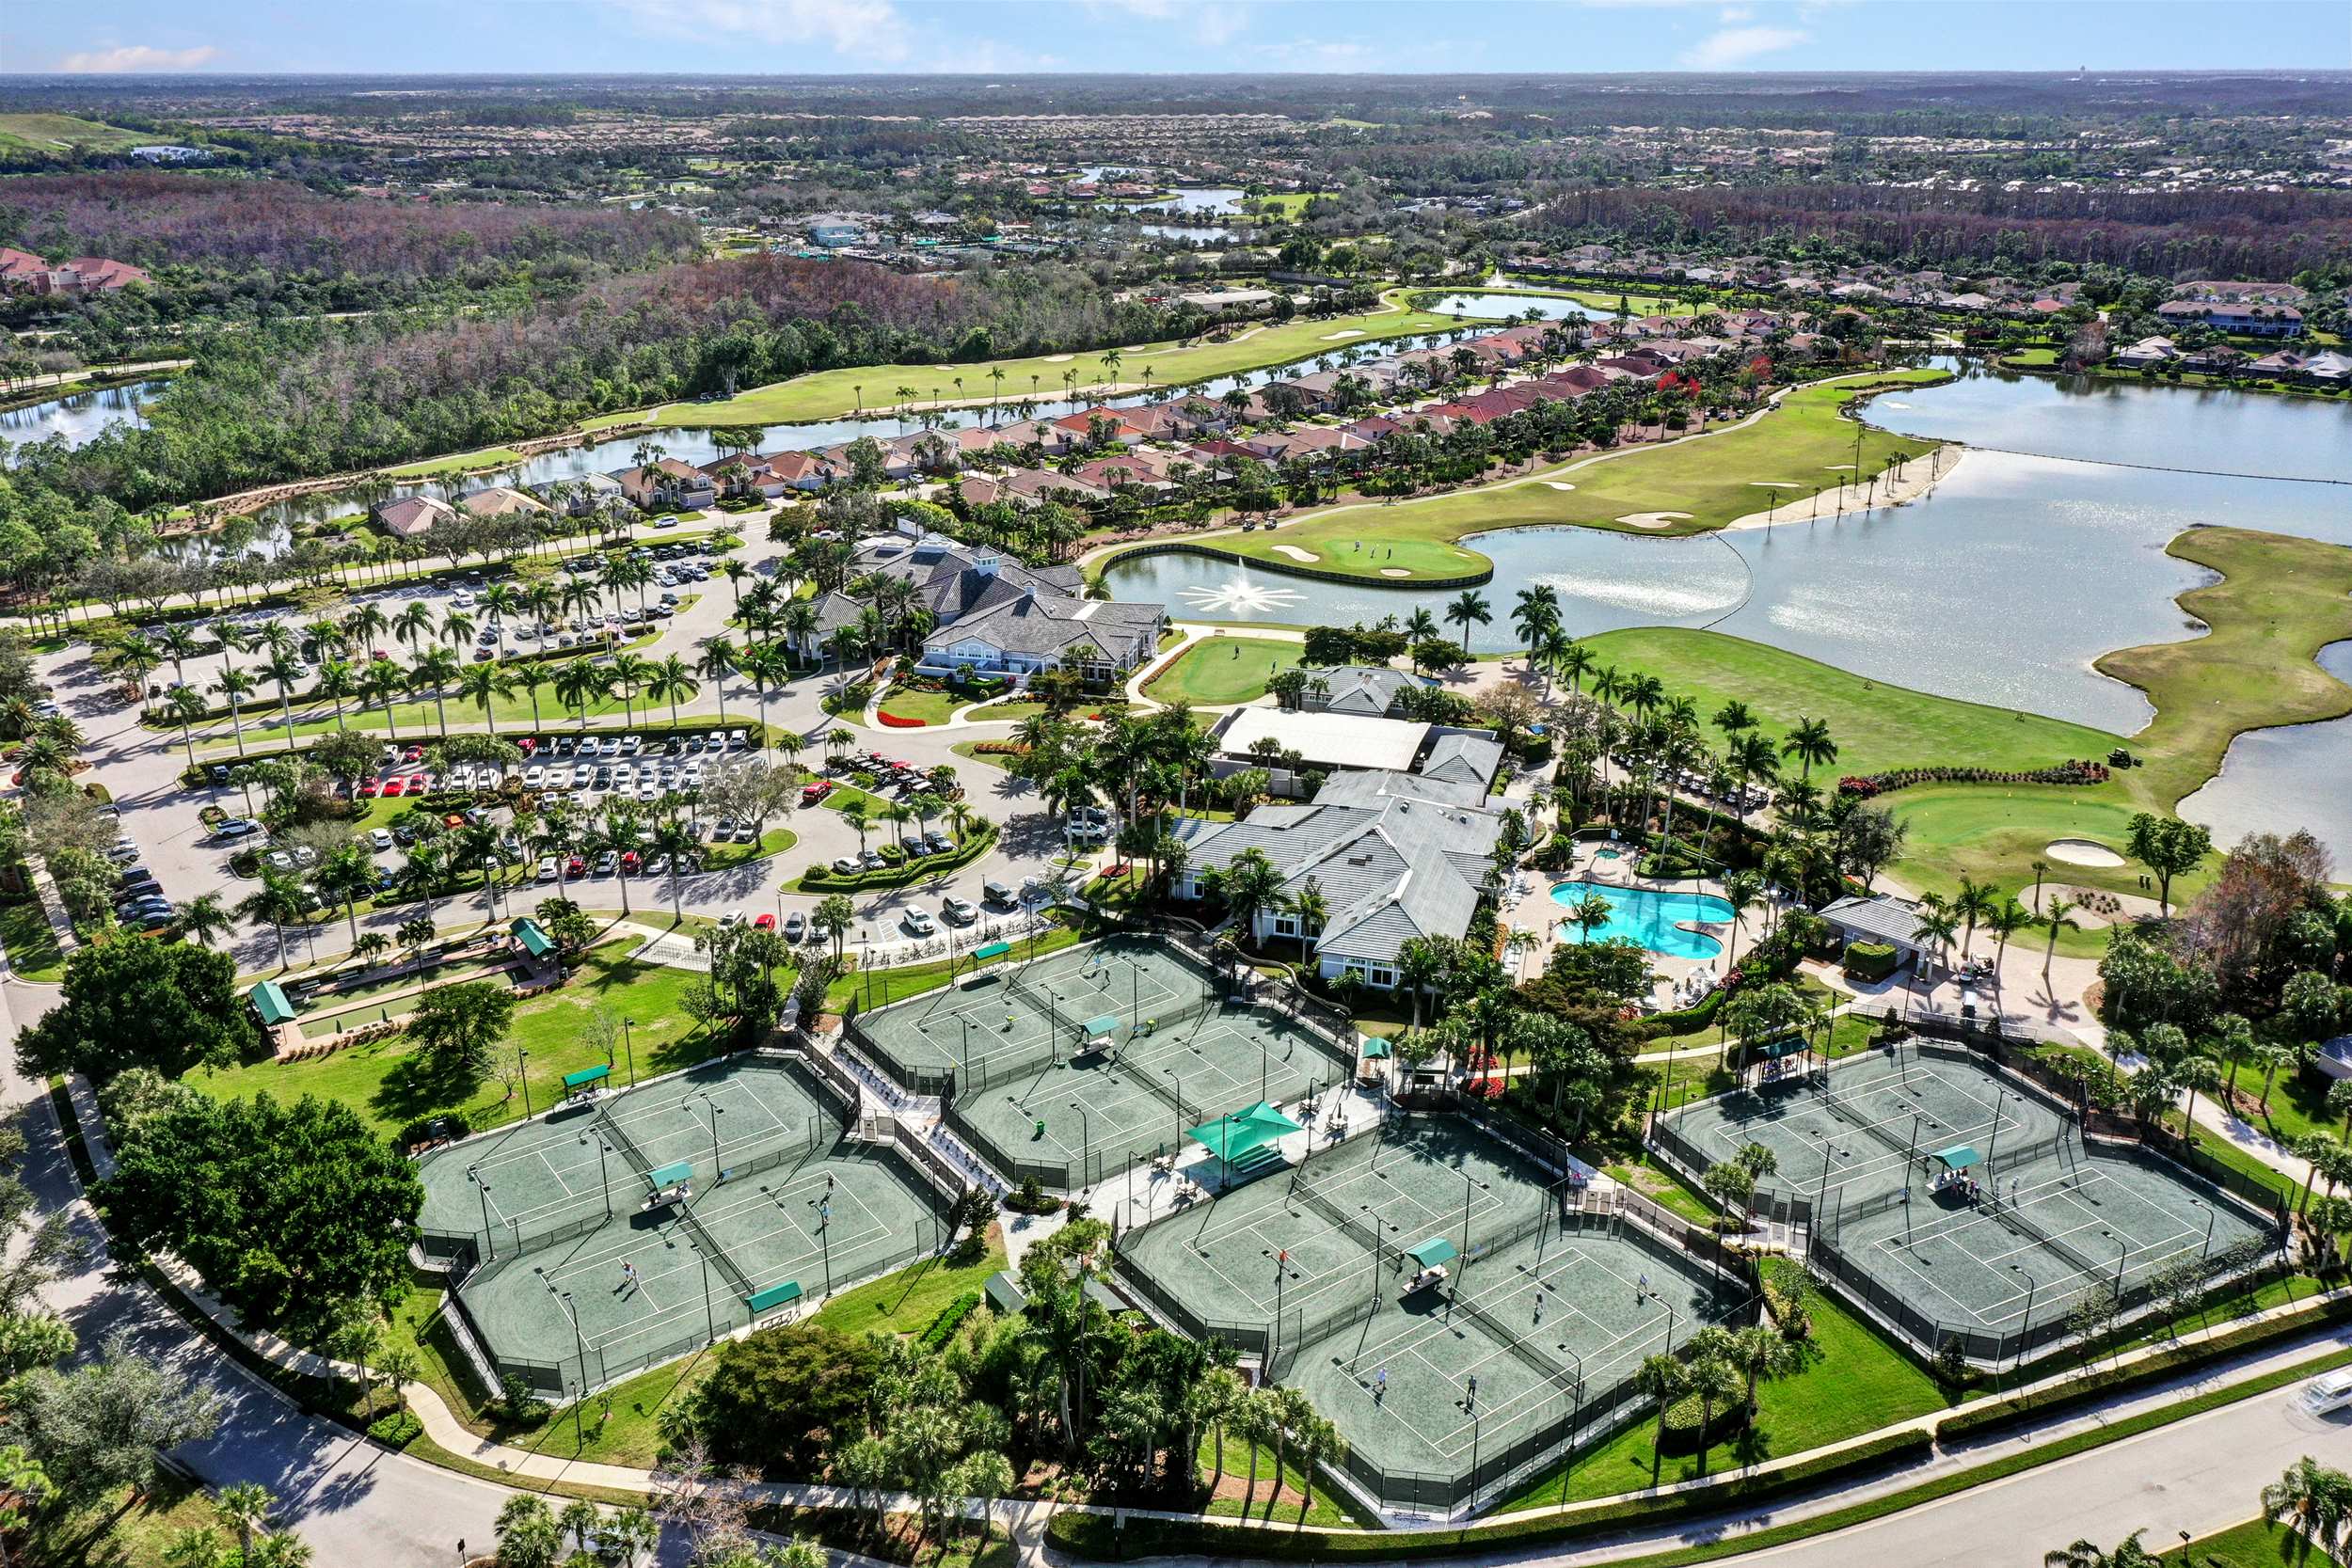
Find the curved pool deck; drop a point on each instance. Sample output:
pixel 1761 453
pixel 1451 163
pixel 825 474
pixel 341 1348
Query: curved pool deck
pixel 1655 918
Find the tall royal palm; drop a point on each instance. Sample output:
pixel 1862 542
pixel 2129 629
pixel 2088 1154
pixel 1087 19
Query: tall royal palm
pixel 670 681
pixel 1809 743
pixel 1468 608
pixel 435 670
pixel 719 659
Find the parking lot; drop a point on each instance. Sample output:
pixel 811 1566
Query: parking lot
pixel 178 857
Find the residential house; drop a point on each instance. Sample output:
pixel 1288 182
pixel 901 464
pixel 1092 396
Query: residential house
pixel 22 271
pixel 668 483
pixel 504 500
pixel 2256 318
pixel 407 516
pixel 1370 690
pixel 2147 351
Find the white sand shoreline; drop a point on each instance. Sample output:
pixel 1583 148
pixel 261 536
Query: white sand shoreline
pixel 1920 475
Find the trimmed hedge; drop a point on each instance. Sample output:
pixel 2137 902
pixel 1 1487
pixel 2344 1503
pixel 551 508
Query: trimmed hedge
pixel 1999 1414
pixel 397 1429
pixel 824 879
pixel 1093 1536
pixel 1870 960
pixel 943 1328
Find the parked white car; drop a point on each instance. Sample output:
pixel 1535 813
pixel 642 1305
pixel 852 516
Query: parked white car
pixel 2328 1393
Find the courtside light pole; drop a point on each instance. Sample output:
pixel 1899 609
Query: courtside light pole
pixel 489 1237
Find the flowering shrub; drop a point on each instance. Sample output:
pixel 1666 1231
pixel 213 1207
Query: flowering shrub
pixel 2069 772
pixel 892 720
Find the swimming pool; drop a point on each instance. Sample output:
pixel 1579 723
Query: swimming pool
pixel 1649 916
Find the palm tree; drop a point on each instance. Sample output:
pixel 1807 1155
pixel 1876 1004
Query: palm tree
pixel 1250 884
pixel 205 919
pixel 1661 1381
pixel 1741 889
pixel 2129 1553
pixel 244 1507
pixel 348 876
pixel 1311 909
pixel 670 681
pixel 2055 915
pixel 2008 918
pixel 186 707
pixel 277 901
pixel 719 659
pixel 1810 743
pixel 235 684
pixel 857 815
pixel 629 674
pixel 533 680
pixel 1713 1378
pixel 434 670
pixel 414 624
pixel 1468 607
pixel 1974 902
pixel 1752 759
pixel 483 685
pixel 337 681
pixel 677 840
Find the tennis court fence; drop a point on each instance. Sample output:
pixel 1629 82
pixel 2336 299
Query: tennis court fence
pixel 927 1079
pixel 1769 1203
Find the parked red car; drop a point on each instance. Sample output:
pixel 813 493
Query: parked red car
pixel 394 789
pixel 764 922
pixel 811 793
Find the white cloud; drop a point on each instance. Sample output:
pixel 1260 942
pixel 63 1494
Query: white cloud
pixel 1731 48
pixel 1737 14
pixel 1213 25
pixel 138 58
pixel 856 29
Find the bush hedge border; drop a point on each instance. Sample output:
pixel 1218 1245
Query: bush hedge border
pixel 1099 1538
pixel 823 878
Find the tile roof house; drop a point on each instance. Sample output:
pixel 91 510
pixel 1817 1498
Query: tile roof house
pixel 24 271
pixel 1392 862
pixel 504 500
pixel 409 516
pixel 2259 318
pixel 667 483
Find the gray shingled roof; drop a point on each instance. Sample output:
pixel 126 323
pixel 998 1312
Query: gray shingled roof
pixel 1376 787
pixel 1471 759
pixel 1047 624
pixel 1888 920
pixel 1362 689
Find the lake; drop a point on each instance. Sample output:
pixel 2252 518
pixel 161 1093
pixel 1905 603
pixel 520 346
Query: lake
pixel 1494 307
pixel 77 416
pixel 2001 586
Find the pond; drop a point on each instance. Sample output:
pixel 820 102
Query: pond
pixel 1495 306
pixel 1652 917
pixel 1223 202
pixel 2001 586
pixel 78 416
pixel 2276 780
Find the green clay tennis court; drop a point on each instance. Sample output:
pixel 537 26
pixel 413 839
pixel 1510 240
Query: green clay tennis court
pixel 1867 1133
pixel 1548 1305
pixel 2040 1232
pixel 1012 1015
pixel 572 1295
pixel 545 1176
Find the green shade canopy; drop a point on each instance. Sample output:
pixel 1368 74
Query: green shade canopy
pixel 1780 1048
pixel 269 1000
pixel 1230 1137
pixel 1097 1028
pixel 535 941
pixel 1433 1252
pixel 990 950
pixel 586 1076
pixel 1958 1157
pixel 774 1295
pixel 1376 1048
pixel 669 1176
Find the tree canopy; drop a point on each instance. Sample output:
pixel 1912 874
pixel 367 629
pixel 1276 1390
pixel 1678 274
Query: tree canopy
pixel 132 1003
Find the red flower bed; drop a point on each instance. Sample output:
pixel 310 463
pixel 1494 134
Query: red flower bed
pixel 891 720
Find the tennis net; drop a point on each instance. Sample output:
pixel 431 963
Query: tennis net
pixel 1495 1331
pixel 1847 1114
pixel 621 1141
pixel 1339 1216
pixel 1012 983
pixel 718 1254
pixel 2024 1227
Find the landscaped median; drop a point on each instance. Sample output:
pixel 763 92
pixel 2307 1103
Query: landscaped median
pixel 908 869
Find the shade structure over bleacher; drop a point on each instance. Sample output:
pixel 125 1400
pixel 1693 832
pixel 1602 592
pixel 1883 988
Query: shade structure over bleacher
pixel 1235 1137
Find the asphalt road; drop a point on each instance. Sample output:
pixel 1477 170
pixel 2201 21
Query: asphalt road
pixel 354 1502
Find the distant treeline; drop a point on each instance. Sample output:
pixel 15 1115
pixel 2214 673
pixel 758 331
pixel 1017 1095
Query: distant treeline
pixel 2259 234
pixel 159 219
pixel 289 400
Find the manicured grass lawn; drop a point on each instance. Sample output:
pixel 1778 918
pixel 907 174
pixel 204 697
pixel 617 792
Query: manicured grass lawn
pixel 2251 1545
pixel 2031 358
pixel 1009 710
pixel 1276 1494
pixel 1220 672
pixel 1289 204
pixel 776 841
pixel 1876 726
pixel 376 1080
pixel 880 988
pixel 929 707
pixel 872 388
pixel 1662 1184
pixel 907 1301
pixel 1856 1382
pixel 491 457
pixel 55 132
pixel 1803 441
pixel 31 944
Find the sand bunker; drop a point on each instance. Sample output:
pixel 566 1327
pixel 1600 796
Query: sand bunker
pixel 1838 468
pixel 1652 519
pixel 1775 485
pixel 1295 553
pixel 2083 851
pixel 1059 358
pixel 1394 572
pixel 1559 484
pixel 1335 336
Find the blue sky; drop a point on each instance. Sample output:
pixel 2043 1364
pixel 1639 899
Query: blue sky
pixel 784 36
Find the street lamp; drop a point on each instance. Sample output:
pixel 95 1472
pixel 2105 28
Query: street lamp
pixel 629 1028
pixel 1469 1186
pixel 1086 1125
pixel 710 1318
pixel 2212 1214
pixel 1175 1077
pixel 2025 1326
pixel 522 1072
pixel 489 1237
pixel 603 1178
pixel 715 1109
pixel 824 1238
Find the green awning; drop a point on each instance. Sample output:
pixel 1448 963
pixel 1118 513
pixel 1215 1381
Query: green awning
pixel 1958 1157
pixel 669 1176
pixel 586 1076
pixel 774 1295
pixel 1230 1137
pixel 990 950
pixel 1098 1027
pixel 535 941
pixel 269 1000
pixel 1433 1252
pixel 1376 1048
pixel 1789 1046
